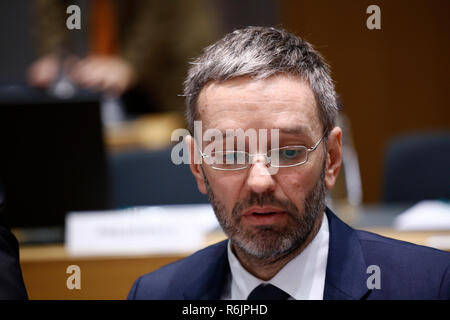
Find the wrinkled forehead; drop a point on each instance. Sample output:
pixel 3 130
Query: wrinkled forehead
pixel 279 102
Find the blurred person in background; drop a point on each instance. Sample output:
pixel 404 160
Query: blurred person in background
pixel 134 49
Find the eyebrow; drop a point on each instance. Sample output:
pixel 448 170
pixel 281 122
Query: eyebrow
pixel 300 130
pixel 296 130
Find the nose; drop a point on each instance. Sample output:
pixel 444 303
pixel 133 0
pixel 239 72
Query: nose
pixel 259 178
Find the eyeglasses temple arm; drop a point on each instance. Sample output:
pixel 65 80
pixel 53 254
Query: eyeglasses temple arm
pixel 318 142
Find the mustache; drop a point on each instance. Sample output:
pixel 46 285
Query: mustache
pixel 263 199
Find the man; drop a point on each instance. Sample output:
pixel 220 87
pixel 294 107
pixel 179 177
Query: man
pixel 283 241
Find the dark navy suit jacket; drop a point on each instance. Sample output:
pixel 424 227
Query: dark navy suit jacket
pixel 407 271
pixel 11 280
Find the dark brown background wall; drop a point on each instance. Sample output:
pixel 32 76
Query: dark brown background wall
pixel 391 81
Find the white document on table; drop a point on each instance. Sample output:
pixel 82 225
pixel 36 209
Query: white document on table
pixel 425 215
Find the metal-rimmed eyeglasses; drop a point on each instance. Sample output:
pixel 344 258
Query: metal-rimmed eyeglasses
pixel 284 157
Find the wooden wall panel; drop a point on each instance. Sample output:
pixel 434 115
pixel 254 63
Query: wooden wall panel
pixel 392 81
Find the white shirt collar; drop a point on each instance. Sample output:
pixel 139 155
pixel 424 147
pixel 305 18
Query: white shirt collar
pixel 303 278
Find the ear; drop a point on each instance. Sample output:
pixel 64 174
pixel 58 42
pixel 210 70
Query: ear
pixel 334 157
pixel 195 167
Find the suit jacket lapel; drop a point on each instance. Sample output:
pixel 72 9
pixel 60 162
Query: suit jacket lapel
pixel 346 275
pixel 208 282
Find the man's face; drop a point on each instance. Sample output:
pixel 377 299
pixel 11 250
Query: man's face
pixel 265 215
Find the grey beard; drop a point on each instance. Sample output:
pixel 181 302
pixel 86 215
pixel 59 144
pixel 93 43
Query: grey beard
pixel 270 242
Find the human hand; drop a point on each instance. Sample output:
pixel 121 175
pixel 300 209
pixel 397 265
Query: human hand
pixel 111 74
pixel 43 71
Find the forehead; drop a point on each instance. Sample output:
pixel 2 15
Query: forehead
pixel 279 102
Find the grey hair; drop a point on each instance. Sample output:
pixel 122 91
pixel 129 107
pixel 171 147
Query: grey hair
pixel 260 52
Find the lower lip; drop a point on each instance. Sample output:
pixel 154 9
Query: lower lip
pixel 265 219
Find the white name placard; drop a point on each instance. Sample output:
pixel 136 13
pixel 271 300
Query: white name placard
pixel 140 230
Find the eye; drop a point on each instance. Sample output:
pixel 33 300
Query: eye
pixel 230 157
pixel 290 153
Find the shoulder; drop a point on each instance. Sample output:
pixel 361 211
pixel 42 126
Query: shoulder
pixel 407 267
pixel 379 246
pixel 169 282
pixel 11 281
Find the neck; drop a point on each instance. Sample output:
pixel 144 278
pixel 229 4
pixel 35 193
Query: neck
pixel 266 269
